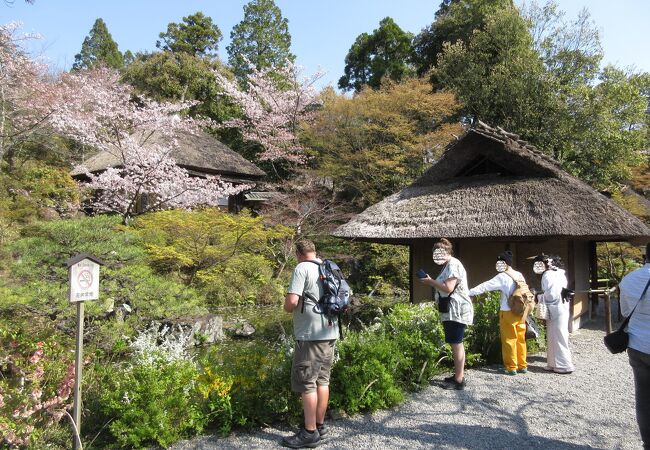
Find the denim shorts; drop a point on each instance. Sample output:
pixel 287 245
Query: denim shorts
pixel 454 331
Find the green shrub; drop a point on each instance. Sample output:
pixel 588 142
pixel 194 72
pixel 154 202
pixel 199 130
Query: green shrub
pixel 152 402
pixel 261 373
pixel 364 376
pixel 228 257
pixel 377 365
pixel 483 337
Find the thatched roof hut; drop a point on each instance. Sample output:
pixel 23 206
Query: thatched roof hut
pixel 491 191
pixel 200 153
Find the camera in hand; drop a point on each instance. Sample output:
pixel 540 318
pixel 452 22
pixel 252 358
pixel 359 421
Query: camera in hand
pixel 421 274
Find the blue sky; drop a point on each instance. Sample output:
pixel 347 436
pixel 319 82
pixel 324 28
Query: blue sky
pixel 322 31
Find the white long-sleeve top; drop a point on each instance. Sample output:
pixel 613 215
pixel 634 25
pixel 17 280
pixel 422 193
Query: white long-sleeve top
pixel 501 282
pixel 552 283
pixel 631 287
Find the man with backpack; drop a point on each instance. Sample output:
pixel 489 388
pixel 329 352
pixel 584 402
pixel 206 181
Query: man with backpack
pixel 315 334
pixel 512 316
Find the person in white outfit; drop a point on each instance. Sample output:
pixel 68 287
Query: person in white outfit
pixel 554 281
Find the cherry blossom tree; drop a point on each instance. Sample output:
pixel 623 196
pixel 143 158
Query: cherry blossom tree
pixel 275 102
pixel 28 95
pixel 141 133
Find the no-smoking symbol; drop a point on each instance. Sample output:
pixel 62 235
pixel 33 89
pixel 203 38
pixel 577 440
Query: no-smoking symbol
pixel 85 279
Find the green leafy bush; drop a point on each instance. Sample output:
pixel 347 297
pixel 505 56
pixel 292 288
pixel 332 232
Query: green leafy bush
pixel 227 257
pixel 261 373
pixel 152 402
pixel 161 395
pixel 377 365
pixel 483 337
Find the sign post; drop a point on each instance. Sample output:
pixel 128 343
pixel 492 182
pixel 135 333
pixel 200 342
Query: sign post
pixel 83 271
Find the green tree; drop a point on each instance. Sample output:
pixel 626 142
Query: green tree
pixel 98 48
pixel 196 36
pixel 455 21
pixel 262 39
pixel 377 142
pixel 386 52
pixel 547 88
pixel 169 76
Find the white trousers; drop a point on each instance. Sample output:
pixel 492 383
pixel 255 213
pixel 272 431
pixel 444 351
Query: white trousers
pixel 558 354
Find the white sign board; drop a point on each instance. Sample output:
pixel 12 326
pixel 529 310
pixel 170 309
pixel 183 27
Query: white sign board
pixel 84 281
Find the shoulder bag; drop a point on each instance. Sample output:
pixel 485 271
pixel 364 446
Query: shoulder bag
pixel 443 302
pixel 616 342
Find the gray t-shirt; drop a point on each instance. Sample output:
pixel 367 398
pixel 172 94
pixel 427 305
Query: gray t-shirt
pixel 460 308
pixel 308 323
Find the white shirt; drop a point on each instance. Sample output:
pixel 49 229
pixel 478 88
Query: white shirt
pixel 503 283
pixel 631 287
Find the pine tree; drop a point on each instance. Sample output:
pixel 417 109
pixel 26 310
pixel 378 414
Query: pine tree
pixel 98 48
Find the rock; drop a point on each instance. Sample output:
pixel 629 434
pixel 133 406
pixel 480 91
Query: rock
pixel 244 330
pixel 202 330
pixel 208 329
pixel 47 213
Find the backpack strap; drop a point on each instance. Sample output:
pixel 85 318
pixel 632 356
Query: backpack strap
pixel 516 280
pixel 302 308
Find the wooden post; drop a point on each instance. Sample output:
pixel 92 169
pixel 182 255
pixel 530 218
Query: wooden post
pixel 76 438
pixel 608 312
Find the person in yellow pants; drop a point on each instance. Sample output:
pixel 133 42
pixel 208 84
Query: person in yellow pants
pixel 513 342
pixel 511 326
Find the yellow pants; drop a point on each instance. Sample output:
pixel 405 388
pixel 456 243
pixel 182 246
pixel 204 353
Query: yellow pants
pixel 513 340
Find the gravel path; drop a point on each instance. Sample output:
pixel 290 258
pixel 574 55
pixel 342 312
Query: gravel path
pixel 591 408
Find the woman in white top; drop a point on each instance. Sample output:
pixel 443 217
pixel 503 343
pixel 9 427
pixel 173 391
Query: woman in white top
pixel 454 304
pixel 558 354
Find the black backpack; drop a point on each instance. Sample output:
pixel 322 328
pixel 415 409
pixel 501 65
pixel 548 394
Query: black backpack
pixel 336 292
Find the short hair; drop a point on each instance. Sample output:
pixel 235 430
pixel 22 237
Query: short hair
pixel 305 246
pixel 445 245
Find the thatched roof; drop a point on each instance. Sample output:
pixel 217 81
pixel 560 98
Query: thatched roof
pixel 490 184
pixel 200 153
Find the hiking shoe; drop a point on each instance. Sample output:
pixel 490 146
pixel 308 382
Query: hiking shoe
pixel 302 439
pixel 508 372
pixel 522 370
pixel 454 385
pixel 449 378
pixel 322 429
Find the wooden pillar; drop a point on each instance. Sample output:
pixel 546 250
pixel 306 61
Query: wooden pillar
pixel 593 277
pixel 411 257
pixel 608 312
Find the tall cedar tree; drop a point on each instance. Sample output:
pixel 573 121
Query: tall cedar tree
pixel 98 48
pixel 261 39
pixel 387 52
pixel 197 35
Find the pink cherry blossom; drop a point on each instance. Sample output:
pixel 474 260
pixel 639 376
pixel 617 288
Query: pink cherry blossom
pixel 275 102
pixel 105 115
